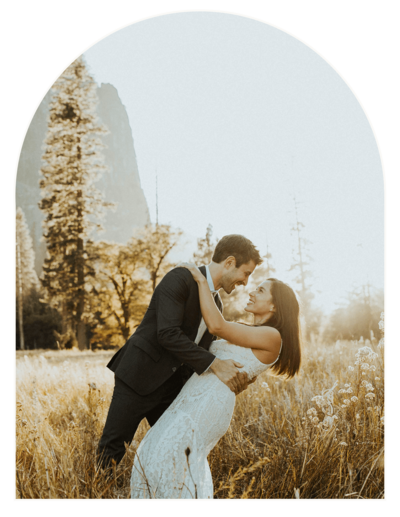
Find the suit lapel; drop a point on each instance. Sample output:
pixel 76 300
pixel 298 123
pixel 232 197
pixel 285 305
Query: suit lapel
pixel 207 338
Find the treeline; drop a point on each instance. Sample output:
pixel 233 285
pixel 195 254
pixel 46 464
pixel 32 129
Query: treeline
pixel 90 293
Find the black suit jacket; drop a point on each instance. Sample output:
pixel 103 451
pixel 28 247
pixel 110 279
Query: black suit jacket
pixel 165 338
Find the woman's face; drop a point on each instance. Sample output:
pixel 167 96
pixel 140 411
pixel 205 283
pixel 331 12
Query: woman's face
pixel 260 301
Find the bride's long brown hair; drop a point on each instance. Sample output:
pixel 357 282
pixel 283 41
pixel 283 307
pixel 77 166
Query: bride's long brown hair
pixel 286 320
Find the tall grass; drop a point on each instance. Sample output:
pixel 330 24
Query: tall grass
pixel 319 435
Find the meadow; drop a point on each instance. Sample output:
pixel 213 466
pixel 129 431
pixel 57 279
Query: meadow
pixel 319 435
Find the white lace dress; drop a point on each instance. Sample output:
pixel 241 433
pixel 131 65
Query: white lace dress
pixel 171 461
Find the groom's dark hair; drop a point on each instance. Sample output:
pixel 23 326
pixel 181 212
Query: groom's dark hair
pixel 236 246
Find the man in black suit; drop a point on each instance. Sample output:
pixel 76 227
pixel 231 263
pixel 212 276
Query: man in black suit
pixel 171 343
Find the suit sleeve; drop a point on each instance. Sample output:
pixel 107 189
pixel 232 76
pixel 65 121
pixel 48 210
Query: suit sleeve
pixel 170 298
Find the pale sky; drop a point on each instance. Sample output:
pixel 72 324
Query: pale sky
pixel 237 117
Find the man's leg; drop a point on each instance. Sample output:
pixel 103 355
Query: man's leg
pixel 127 409
pixel 124 415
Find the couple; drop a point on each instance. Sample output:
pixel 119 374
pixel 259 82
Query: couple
pixel 189 412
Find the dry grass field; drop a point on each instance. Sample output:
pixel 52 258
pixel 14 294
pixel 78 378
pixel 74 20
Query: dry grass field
pixel 320 435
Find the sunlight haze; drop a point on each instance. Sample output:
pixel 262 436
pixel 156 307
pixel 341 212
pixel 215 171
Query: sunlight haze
pixel 237 118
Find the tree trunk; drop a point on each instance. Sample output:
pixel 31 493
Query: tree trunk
pixel 20 302
pixel 81 327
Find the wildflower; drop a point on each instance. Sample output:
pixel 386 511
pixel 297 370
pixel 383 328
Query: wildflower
pixel 369 408
pixel 342 391
pixel 377 378
pixel 363 373
pixel 264 385
pixel 364 351
pixel 381 343
pixel 319 400
pixel 350 390
pixel 329 421
pixel 346 401
pixel 347 385
pixel 370 396
pixel 315 420
pixel 312 411
pixel 365 366
pixel 381 325
pixel 358 416
pixel 382 420
pixel 354 399
pixel 344 444
pixel 372 367
pixel 351 368
pixel 364 383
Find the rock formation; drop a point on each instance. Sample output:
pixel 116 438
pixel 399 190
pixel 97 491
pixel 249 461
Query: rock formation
pixel 120 184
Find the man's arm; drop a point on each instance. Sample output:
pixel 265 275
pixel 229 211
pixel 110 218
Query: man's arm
pixel 170 298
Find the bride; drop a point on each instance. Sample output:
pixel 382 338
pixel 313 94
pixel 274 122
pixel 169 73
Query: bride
pixel 171 461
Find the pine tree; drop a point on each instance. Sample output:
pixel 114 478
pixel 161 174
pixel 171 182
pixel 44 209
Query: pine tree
pixel 26 276
pixel 301 262
pixel 70 201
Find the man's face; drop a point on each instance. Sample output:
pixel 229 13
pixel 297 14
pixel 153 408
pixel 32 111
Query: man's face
pixel 234 276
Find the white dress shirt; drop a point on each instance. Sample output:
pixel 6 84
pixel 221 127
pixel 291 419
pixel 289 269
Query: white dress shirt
pixel 203 327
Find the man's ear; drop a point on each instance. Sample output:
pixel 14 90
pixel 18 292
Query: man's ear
pixel 230 261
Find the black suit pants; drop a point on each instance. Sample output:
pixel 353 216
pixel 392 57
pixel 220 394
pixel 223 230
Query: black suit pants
pixel 127 410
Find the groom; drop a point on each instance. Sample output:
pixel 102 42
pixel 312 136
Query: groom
pixel 171 342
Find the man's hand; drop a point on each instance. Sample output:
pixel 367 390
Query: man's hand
pixel 227 372
pixel 244 382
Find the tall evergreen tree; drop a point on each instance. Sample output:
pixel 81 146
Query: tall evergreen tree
pixel 26 277
pixel 70 201
pixel 312 315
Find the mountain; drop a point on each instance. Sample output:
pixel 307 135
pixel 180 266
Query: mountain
pixel 120 184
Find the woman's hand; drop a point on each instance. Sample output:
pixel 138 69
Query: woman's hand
pixel 196 273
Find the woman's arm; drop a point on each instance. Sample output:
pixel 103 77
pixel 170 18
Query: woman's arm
pixel 262 338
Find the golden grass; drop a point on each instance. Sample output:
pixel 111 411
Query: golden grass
pixel 273 448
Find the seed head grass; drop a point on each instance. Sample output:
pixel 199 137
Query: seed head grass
pixel 319 435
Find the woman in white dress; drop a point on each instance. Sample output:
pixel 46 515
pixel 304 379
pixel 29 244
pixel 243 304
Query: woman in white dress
pixel 171 461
